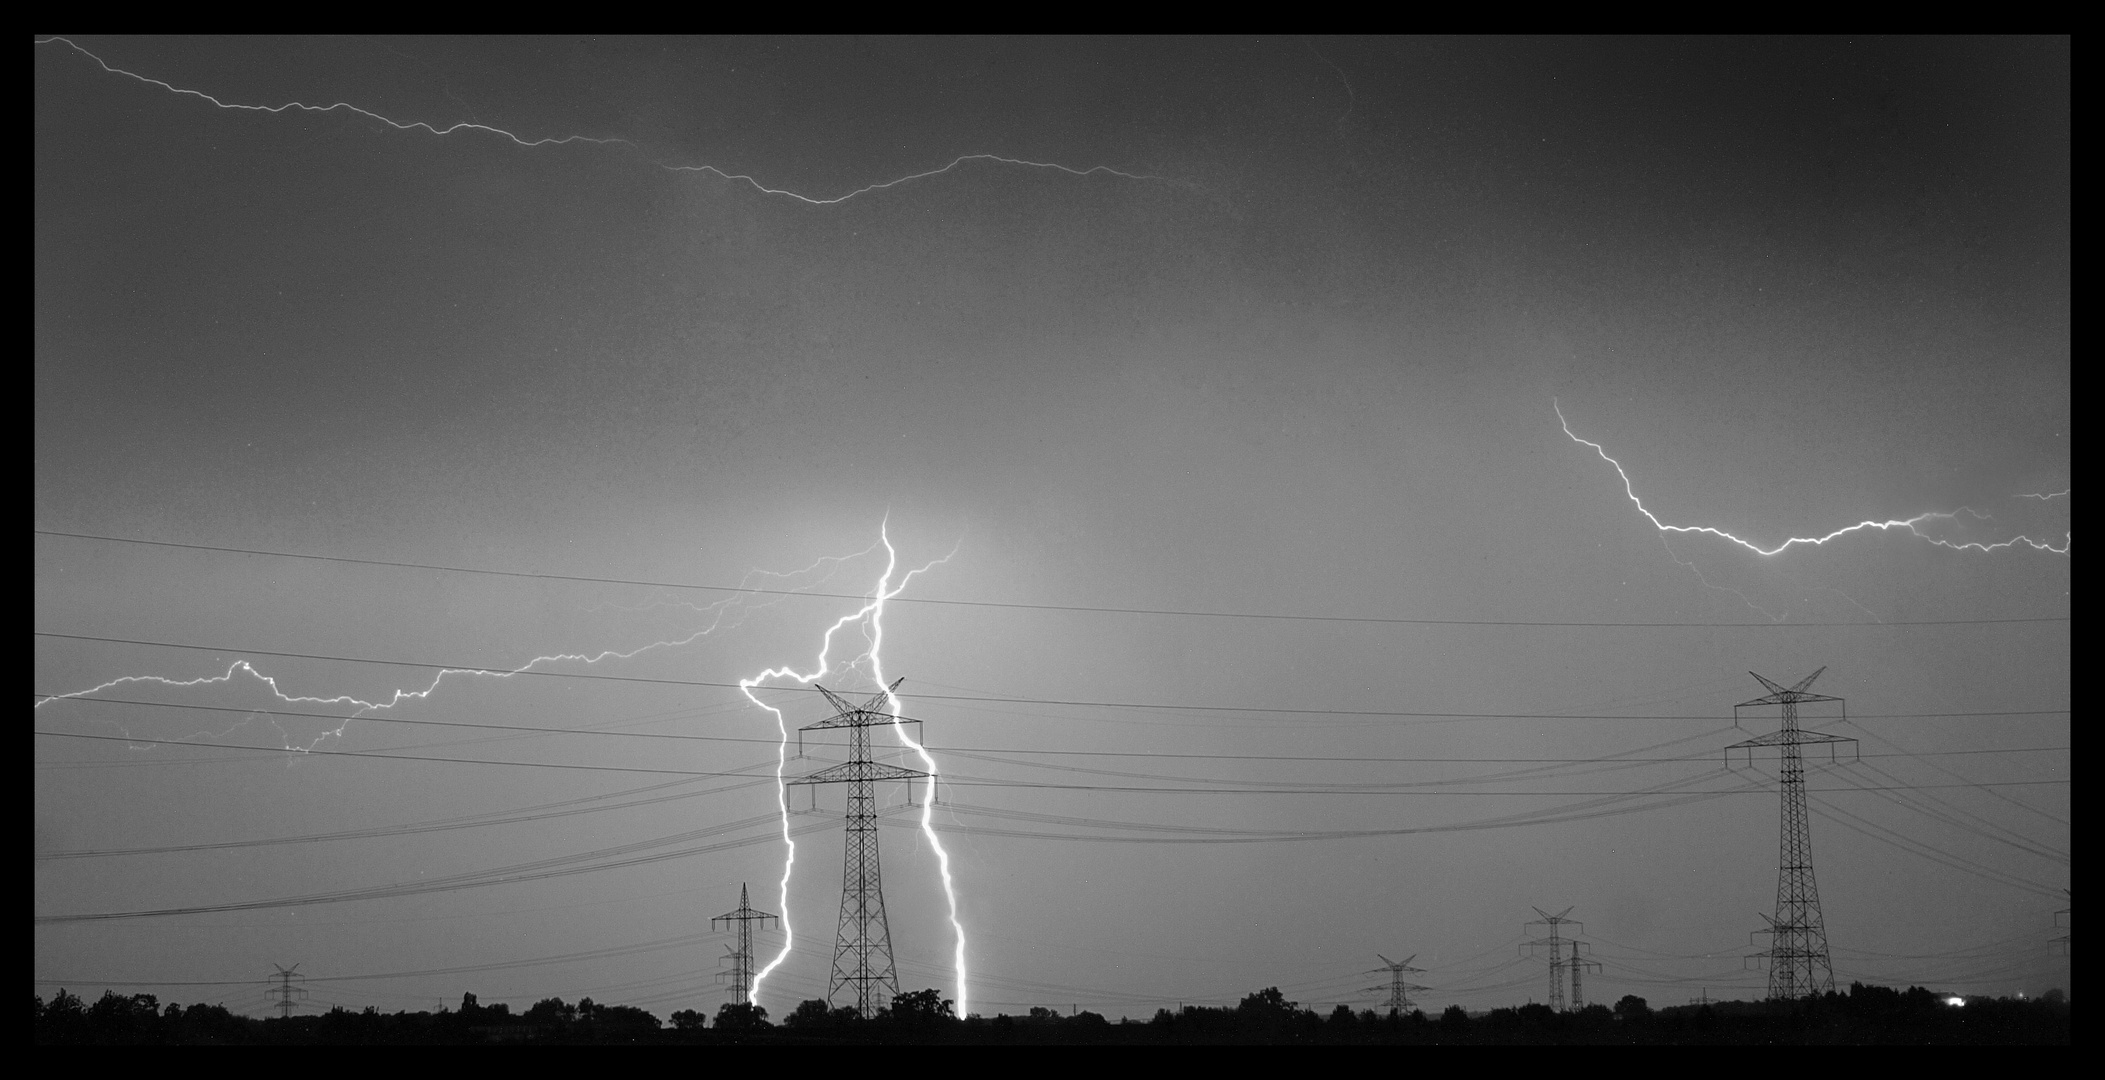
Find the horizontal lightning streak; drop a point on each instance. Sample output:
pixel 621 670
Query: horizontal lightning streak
pixel 724 174
pixel 962 159
pixel 343 106
pixel 1909 524
pixel 363 708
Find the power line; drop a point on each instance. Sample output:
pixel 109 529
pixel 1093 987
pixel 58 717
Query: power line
pixel 967 782
pixel 560 866
pixel 399 757
pixel 565 808
pixel 1017 750
pixel 1168 707
pixel 1091 608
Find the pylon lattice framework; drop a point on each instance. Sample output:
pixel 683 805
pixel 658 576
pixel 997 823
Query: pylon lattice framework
pixel 862 949
pixel 1558 964
pixel 1797 956
pixel 741 954
pixel 1399 991
pixel 285 992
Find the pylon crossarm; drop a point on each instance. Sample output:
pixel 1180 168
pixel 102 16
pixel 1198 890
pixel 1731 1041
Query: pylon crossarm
pixel 858 719
pixel 852 771
pixel 1774 738
pixel 1785 698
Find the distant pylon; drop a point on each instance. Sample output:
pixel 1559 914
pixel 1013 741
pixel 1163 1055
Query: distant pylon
pixel 741 955
pixel 1797 955
pixel 862 950
pixel 2063 939
pixel 285 992
pixel 1578 965
pixel 1398 990
pixel 1556 941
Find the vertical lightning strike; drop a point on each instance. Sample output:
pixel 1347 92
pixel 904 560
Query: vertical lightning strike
pixel 928 762
pixel 1909 524
pixel 750 181
pixel 872 611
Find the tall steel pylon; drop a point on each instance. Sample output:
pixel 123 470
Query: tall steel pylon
pixel 741 955
pixel 862 950
pixel 1797 955
pixel 1556 941
pixel 285 992
pixel 1399 991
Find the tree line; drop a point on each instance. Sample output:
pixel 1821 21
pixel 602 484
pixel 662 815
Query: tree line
pixel 1863 1015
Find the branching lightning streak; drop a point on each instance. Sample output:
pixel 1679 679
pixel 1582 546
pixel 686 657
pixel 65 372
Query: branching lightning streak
pixel 717 610
pixel 871 614
pixel 1909 524
pixel 747 179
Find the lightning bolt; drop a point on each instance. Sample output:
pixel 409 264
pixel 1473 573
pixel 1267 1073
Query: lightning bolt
pixel 872 614
pixel 343 106
pixel 751 181
pixel 717 611
pixel 1911 525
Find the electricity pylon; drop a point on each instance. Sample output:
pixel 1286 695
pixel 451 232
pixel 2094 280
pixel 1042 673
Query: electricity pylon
pixel 1556 942
pixel 1797 955
pixel 285 992
pixel 2063 939
pixel 1397 989
pixel 862 950
pixel 1578 965
pixel 741 955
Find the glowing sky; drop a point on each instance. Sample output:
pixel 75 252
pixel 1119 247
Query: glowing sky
pixel 1224 325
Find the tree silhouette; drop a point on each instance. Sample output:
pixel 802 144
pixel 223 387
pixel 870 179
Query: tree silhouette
pixel 922 1007
pixel 741 1016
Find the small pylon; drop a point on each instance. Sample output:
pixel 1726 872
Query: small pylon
pixel 1578 965
pixel 1399 991
pixel 741 954
pixel 285 992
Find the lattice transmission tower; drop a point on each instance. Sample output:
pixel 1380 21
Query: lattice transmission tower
pixel 1397 988
pixel 285 992
pixel 862 950
pixel 2063 939
pixel 1556 942
pixel 741 954
pixel 1797 955
pixel 1579 965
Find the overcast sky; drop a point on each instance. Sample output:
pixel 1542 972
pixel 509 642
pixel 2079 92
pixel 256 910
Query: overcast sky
pixel 1293 351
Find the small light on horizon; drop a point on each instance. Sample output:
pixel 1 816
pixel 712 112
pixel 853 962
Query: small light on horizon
pixel 1955 1001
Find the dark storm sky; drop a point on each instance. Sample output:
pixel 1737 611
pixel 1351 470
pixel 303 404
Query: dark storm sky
pixel 1306 367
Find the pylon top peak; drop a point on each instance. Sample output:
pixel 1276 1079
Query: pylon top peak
pixel 1780 694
